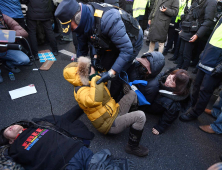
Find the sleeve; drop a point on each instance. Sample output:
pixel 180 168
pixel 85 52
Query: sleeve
pixel 209 14
pixel 82 45
pixel 13 25
pixel 113 26
pixel 91 96
pixel 168 117
pixel 173 11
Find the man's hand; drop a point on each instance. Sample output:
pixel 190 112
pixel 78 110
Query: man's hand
pixel 193 38
pixel 106 76
pixel 149 22
pixel 163 9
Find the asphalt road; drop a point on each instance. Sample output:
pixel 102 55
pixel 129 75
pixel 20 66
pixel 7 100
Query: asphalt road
pixel 182 147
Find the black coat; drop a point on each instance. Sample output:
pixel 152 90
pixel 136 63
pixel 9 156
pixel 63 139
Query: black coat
pixel 205 20
pixel 166 105
pixel 39 9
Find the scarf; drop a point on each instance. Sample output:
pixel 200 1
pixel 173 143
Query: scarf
pixel 86 22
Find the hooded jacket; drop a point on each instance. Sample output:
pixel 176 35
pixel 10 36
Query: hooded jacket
pixel 95 100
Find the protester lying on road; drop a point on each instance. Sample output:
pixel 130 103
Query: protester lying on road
pixel 107 116
pixel 47 144
pixel 172 90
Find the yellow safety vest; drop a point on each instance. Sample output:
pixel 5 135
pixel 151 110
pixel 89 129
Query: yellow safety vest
pixel 139 7
pixel 181 9
pixel 216 39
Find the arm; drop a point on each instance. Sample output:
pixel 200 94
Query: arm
pixel 113 26
pixel 173 11
pixel 209 14
pixel 82 45
pixel 168 117
pixel 13 25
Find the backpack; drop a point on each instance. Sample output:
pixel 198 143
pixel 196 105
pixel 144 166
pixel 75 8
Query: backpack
pixel 6 163
pixel 131 24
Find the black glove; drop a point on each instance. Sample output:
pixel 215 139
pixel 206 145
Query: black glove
pixel 104 78
pixel 96 63
pixel 217 70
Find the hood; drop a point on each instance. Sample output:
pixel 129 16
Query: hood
pixel 78 73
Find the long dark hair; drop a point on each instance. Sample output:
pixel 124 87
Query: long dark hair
pixel 183 82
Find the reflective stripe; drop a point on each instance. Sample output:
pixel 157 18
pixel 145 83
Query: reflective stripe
pixel 206 67
pixel 138 9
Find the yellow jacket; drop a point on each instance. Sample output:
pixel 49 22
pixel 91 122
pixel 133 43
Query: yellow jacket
pixel 95 100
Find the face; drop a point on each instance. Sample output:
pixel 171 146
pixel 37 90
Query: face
pixel 170 82
pixel 12 132
pixel 73 25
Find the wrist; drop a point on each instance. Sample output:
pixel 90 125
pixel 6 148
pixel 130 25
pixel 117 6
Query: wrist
pixel 111 73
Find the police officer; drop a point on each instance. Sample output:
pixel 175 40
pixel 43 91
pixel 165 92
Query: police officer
pixel 116 44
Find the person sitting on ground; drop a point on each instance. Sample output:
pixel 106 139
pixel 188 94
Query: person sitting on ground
pixel 172 91
pixel 107 116
pixel 216 126
pixel 47 143
pixel 12 58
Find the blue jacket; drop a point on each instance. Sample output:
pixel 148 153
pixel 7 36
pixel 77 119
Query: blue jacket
pixel 212 54
pixel 112 28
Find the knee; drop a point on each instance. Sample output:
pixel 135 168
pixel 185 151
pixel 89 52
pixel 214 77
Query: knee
pixel 141 116
pixel 23 59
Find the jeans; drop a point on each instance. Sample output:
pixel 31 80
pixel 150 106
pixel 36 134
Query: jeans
pixel 217 113
pixel 204 86
pixel 137 118
pixel 80 161
pixel 14 57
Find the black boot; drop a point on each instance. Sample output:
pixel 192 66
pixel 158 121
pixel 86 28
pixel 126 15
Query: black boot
pixel 133 146
pixel 172 59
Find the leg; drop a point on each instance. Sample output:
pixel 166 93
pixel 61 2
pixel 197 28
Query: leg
pixel 161 47
pixel 126 102
pixel 209 84
pixel 181 51
pixel 50 34
pixel 32 25
pixel 21 22
pixel 217 125
pixel 187 54
pixel 152 46
pixel 217 107
pixel 15 57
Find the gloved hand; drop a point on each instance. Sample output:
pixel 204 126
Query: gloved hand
pixel 196 12
pixel 104 78
pixel 217 70
pixel 97 64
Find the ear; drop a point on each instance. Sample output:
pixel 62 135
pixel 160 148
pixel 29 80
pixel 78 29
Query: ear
pixel 11 141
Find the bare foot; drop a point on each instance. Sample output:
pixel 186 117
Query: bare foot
pixel 155 132
pixel 208 111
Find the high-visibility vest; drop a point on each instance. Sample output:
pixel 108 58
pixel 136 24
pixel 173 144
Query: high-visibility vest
pixel 181 9
pixel 139 7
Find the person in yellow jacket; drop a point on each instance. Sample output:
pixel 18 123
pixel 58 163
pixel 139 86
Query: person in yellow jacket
pixel 107 116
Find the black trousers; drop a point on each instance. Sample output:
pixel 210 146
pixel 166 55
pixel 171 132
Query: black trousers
pixel 32 26
pixel 185 54
pixel 172 38
pixel 21 22
pixel 177 48
pixel 203 89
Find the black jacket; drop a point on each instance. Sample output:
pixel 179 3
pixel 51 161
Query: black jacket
pixel 59 141
pixel 205 20
pixel 39 9
pixel 167 105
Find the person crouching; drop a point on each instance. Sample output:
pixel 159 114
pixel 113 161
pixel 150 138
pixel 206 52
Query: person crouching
pixel 107 116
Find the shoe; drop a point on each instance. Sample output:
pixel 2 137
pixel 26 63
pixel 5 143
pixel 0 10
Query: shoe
pixel 172 59
pixel 187 117
pixel 133 146
pixel 165 52
pixel 36 56
pixel 175 62
pixel 171 51
pixel 1 79
pixel 12 69
pixel 195 71
pixel 207 129
pixel 55 53
pixel 29 64
pixel 221 157
pixel 208 111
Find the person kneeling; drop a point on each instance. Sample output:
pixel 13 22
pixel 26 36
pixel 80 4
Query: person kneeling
pixel 107 116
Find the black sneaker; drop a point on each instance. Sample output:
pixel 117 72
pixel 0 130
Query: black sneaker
pixel 36 56
pixel 165 52
pixel 12 69
pixel 187 117
pixel 172 59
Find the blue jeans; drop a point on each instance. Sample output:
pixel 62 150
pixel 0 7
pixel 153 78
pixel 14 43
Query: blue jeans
pixel 80 161
pixel 217 113
pixel 14 57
